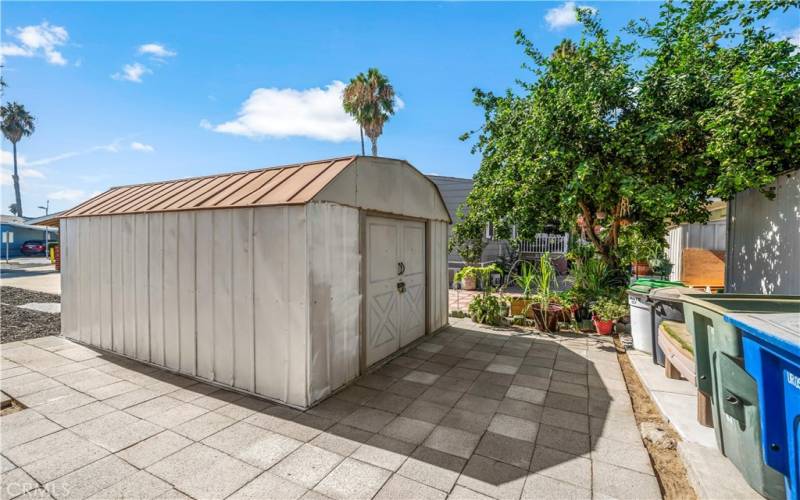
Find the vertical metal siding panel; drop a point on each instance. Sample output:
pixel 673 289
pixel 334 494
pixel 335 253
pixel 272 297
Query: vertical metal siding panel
pixel 321 318
pixel 68 284
pixel 117 286
pixel 187 293
pixel 205 294
pixel 127 256
pixel 105 289
pixel 171 292
pixel 93 269
pixel 141 243
pixel 333 268
pixel 437 294
pixel 156 287
pixel 270 298
pixel 84 269
pixel 223 296
pixel 243 335
pixel 297 285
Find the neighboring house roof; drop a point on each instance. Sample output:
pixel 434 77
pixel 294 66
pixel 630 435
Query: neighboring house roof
pixel 46 220
pixel 284 185
pixel 27 226
pixel 454 191
pixel 389 185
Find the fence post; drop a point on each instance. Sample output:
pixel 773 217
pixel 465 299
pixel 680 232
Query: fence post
pixel 566 242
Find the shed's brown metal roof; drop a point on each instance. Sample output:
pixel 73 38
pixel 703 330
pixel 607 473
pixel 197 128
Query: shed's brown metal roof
pixel 285 185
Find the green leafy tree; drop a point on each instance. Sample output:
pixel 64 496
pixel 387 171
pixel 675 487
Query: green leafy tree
pixel 370 99
pixel 16 123
pixel 617 148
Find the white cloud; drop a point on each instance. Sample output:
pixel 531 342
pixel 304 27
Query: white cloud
pixel 138 146
pixel 156 50
pixel 206 124
pixel 565 15
pixel 132 72
pixel 271 112
pixel 794 37
pixel 37 40
pixel 67 194
pixel 25 171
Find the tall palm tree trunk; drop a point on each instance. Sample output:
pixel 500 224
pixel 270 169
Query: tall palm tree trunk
pixel 363 151
pixel 374 145
pixel 15 178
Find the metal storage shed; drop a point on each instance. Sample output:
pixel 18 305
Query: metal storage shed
pixel 284 282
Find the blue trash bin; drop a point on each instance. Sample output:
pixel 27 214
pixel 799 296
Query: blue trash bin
pixel 771 345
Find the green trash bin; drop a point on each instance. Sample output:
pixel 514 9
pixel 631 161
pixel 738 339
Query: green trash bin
pixel 719 360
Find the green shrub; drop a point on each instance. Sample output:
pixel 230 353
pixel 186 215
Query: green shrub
pixel 487 309
pixel 609 310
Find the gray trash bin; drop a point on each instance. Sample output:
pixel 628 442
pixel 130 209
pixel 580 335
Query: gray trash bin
pixel 665 304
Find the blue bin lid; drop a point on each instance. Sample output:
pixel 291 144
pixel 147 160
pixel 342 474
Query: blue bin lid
pixel 778 329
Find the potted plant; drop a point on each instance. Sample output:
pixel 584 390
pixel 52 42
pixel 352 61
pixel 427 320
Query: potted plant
pixel 605 312
pixel 546 312
pixel 468 276
pixel 487 308
pixel 520 306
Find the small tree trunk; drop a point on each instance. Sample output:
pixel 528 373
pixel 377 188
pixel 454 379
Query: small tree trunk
pixel 374 145
pixel 361 130
pixel 15 178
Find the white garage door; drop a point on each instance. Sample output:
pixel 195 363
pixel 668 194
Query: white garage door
pixel 395 285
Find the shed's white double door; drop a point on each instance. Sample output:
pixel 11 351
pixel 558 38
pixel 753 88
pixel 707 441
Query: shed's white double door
pixel 395 285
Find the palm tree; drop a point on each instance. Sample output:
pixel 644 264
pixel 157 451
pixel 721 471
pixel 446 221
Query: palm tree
pixel 16 123
pixel 369 98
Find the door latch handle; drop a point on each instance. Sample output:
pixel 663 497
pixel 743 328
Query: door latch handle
pixel 401 268
pixel 401 287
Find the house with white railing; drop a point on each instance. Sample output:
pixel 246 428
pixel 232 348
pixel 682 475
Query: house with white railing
pixel 454 191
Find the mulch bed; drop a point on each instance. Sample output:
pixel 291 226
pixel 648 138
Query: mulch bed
pixel 17 296
pixel 24 324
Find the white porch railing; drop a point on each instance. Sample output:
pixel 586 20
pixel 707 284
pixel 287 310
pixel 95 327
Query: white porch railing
pixel 544 242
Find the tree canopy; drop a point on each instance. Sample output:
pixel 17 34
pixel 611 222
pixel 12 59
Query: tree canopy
pixel 624 137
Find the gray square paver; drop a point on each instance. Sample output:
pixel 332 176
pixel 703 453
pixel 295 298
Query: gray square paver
pixel 204 472
pixel 141 486
pixel 153 449
pixel 90 479
pixel 402 488
pixel 384 452
pixel 251 444
pixel 512 451
pixel 562 466
pixel 514 427
pixel 307 465
pixel 203 426
pixel 341 439
pixel 353 479
pixel 452 441
pixel 116 431
pixel 538 487
pixel 468 421
pixel 268 485
pixel 23 426
pixel 55 455
pixel 611 481
pixel 493 478
pixel 426 411
pixel 408 429
pixel 368 419
pixel 15 483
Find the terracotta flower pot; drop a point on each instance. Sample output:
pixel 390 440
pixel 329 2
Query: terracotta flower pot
pixel 641 268
pixel 546 320
pixel 469 283
pixel 603 327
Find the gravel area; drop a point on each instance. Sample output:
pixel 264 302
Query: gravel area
pixel 17 296
pixel 24 324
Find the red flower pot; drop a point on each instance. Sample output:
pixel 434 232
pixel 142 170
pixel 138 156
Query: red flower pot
pixel 603 327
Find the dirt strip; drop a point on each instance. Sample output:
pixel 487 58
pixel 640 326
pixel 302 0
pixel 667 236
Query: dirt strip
pixel 668 466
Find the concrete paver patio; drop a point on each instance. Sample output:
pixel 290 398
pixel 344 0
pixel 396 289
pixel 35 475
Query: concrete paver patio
pixel 468 413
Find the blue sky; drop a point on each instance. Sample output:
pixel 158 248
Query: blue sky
pixel 137 92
